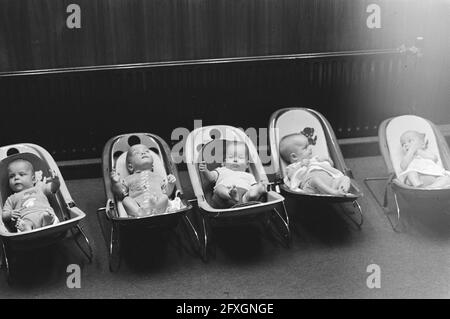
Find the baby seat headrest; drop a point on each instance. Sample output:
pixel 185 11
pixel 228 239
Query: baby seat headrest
pixel 399 125
pixel 296 121
pixel 158 165
pixel 41 170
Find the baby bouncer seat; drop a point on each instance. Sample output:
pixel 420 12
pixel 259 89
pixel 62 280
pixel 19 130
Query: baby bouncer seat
pixel 389 134
pixel 68 213
pixel 203 144
pixel 114 158
pixel 293 120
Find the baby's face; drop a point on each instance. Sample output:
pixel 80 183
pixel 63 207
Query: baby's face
pixel 411 138
pixel 301 149
pixel 20 175
pixel 236 157
pixel 140 158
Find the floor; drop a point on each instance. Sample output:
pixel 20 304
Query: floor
pixel 328 257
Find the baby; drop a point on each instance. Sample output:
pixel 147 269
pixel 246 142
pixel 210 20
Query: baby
pixel 143 192
pixel 28 207
pixel 233 184
pixel 419 164
pixel 312 174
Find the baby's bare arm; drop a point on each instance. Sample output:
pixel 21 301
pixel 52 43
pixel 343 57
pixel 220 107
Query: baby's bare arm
pixel 408 158
pixel 8 213
pixel 118 185
pixel 425 153
pixel 211 177
pixel 169 186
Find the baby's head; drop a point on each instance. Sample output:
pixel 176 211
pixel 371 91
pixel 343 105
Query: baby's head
pixel 294 148
pixel 409 138
pixel 21 175
pixel 139 158
pixel 236 156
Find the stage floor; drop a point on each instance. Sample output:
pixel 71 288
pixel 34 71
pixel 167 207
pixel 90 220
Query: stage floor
pixel 328 257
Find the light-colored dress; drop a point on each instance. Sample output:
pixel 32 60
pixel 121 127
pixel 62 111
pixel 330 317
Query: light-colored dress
pixel 424 166
pixel 31 203
pixel 229 178
pixel 297 174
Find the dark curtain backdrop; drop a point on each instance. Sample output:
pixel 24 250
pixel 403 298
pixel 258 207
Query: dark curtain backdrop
pixel 33 33
pixel 73 113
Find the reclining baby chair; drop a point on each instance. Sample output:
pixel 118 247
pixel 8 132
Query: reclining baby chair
pixel 201 145
pixel 389 134
pixel 293 120
pixel 114 157
pixel 68 213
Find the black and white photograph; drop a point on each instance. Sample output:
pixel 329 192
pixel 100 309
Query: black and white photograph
pixel 225 155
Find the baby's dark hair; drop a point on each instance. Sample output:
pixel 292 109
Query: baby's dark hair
pixel 23 161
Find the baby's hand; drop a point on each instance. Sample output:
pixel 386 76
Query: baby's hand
pixel 53 176
pixel 305 161
pixel 233 193
pixel 171 179
pixel 417 146
pixel 15 215
pixel 115 177
pixel 54 181
pixel 202 166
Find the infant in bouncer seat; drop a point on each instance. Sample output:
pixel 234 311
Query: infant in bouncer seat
pixel 233 184
pixel 419 164
pixel 28 208
pixel 312 174
pixel 143 192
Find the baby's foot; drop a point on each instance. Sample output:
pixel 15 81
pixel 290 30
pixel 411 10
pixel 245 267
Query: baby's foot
pixel 344 185
pixel 234 194
pixel 22 226
pixel 255 193
pixel 48 218
pixel 338 192
pixel 143 212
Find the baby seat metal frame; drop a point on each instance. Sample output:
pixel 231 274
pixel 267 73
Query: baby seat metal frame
pixel 389 134
pixel 292 120
pixel 69 215
pixel 274 210
pixel 114 154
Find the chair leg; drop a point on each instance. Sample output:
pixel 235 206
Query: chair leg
pixel 87 249
pixel 205 227
pixel 102 227
pixel 114 248
pixel 374 179
pixel 358 222
pixel 397 226
pixel 6 264
pixel 194 236
pixel 278 223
